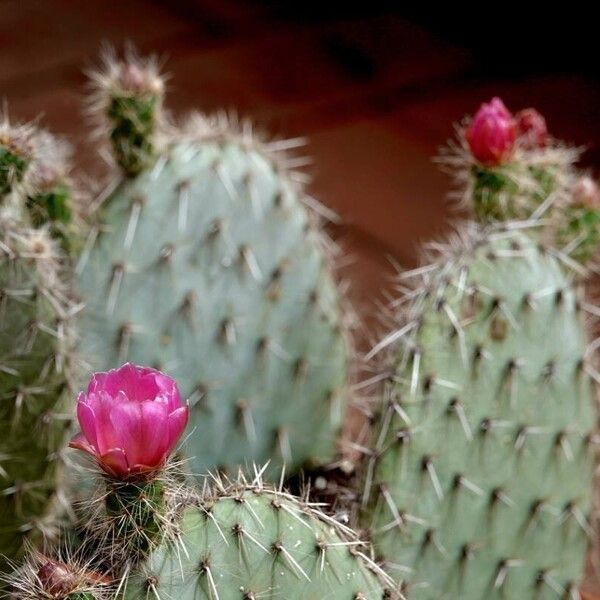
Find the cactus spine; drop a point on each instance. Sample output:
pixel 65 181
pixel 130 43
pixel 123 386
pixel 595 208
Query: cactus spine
pixel 207 264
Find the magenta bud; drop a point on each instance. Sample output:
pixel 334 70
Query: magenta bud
pixel 531 129
pixel 492 133
pixel 131 419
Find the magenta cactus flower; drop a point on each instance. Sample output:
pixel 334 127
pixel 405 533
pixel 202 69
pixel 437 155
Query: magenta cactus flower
pixel 531 129
pixel 131 419
pixel 492 133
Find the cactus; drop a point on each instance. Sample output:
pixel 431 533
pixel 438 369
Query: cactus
pixel 206 262
pixel 249 540
pixel 531 177
pixel 15 154
pixel 479 479
pixel 236 539
pixel 147 533
pixel 36 339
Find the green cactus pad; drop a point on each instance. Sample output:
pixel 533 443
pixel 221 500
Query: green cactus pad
pixel 34 344
pixel 579 231
pixel 479 481
pixel 250 542
pixel 209 267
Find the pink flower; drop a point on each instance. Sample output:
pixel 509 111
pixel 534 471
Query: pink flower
pixel 532 130
pixel 131 419
pixel 492 133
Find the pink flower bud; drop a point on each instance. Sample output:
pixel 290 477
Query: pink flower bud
pixel 492 133
pixel 131 419
pixel 586 193
pixel 56 578
pixel 531 128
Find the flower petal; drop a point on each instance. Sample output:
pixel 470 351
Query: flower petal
pixel 178 420
pixel 106 438
pixel 114 462
pixel 87 420
pixel 80 443
pixel 142 430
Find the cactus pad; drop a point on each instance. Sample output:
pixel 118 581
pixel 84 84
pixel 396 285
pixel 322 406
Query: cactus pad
pixel 34 347
pixel 533 182
pixel 209 267
pixel 250 542
pixel 479 481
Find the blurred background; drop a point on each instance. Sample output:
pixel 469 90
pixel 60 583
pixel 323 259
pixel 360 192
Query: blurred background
pixel 376 88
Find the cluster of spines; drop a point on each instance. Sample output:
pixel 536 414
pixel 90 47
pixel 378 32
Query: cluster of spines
pixel 59 576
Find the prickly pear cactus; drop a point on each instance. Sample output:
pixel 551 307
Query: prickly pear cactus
pixel 249 541
pixel 532 177
pixel 479 479
pixel 35 345
pixel 208 265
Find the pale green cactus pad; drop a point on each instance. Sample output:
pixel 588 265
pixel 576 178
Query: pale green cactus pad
pixel 250 542
pixel 209 267
pixel 35 341
pixel 480 478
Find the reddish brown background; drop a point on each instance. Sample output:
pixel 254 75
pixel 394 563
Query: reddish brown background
pixel 376 89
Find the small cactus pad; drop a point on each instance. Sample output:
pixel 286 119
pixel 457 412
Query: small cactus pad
pixel 479 480
pixel 34 347
pixel 250 542
pixel 209 267
pixel 15 154
pixel 532 182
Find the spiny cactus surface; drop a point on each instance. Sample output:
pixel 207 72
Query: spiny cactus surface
pixel 250 542
pixel 208 265
pixel 35 342
pixel 479 480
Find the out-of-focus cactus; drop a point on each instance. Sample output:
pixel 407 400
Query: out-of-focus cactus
pixel 35 340
pixel 479 480
pixel 507 166
pixel 36 347
pixel 578 227
pixel 207 262
pixel 15 154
